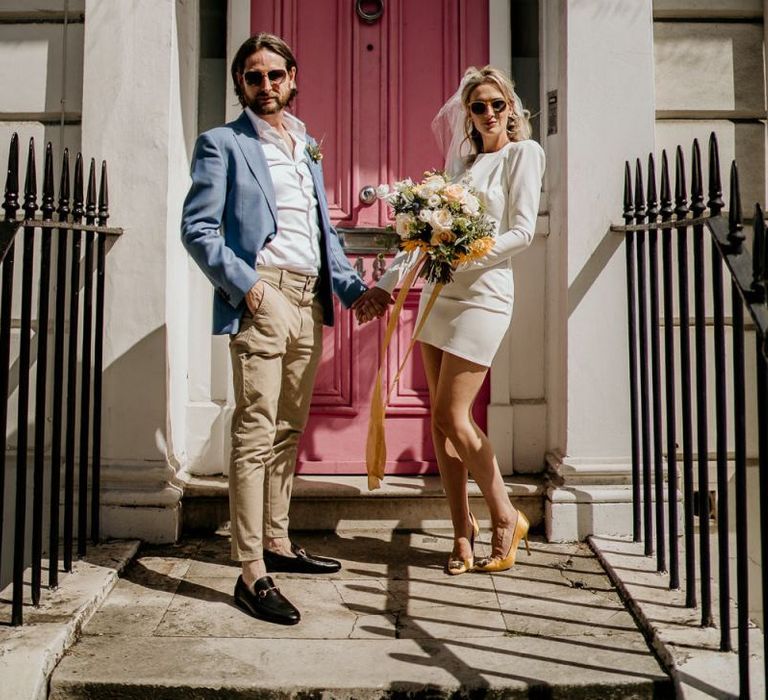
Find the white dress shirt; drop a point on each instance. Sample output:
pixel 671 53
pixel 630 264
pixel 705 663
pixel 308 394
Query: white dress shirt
pixel 296 247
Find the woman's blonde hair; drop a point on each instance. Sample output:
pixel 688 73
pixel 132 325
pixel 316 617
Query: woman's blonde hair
pixel 518 125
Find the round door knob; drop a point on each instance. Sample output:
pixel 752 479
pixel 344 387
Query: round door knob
pixel 368 194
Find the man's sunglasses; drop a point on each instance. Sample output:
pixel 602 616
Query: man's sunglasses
pixel 255 78
pixel 479 108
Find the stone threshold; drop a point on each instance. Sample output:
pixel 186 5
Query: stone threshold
pixel 688 652
pixel 29 653
pixel 344 503
pixel 343 486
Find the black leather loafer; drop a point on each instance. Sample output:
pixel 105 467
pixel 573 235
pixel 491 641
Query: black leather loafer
pixel 302 563
pixel 265 601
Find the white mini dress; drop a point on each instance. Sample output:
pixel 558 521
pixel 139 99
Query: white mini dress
pixel 472 313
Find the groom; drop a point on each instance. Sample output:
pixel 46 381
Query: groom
pixel 256 222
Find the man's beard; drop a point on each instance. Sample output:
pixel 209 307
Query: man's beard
pixel 272 106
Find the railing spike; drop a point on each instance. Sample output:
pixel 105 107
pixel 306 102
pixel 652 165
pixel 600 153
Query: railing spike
pixel 697 185
pixel 30 183
pixel 653 205
pixel 103 196
pixel 681 201
pixel 639 195
pixel 11 198
pixel 666 193
pixel 715 202
pixel 77 198
pixel 90 200
pixel 63 209
pixel 735 227
pixel 47 206
pixel 628 201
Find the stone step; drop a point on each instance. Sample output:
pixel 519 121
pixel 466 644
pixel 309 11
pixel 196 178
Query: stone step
pixel 344 503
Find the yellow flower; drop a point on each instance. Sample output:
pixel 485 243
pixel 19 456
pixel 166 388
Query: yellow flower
pixel 413 244
pixel 479 248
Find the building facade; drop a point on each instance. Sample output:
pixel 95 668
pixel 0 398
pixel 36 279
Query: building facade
pixel 134 83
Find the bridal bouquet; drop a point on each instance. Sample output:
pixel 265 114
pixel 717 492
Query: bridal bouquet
pixel 442 219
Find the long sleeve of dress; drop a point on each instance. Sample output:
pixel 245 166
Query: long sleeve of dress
pixel 397 269
pixel 525 163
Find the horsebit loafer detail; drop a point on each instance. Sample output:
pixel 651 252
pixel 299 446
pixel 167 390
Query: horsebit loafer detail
pixel 265 601
pixel 302 563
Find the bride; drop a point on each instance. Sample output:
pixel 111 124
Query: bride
pixel 488 141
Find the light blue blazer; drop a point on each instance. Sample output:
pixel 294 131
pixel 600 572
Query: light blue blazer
pixel 230 214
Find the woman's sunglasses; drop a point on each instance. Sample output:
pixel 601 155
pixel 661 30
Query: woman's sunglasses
pixel 255 78
pixel 479 108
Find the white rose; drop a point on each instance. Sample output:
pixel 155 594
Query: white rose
pixel 425 215
pixel 434 201
pixel 432 185
pixel 404 224
pixel 382 191
pixel 442 219
pixel 471 205
pixel 454 193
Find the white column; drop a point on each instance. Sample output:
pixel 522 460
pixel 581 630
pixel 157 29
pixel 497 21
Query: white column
pixel 603 72
pixel 138 113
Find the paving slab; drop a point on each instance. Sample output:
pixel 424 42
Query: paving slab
pixel 390 624
pixel 691 652
pixel 30 652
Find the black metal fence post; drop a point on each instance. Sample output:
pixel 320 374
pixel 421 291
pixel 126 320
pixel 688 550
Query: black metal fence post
pixel 736 239
pixel 700 336
pixel 74 313
pixel 98 355
pixel 652 213
pixel 645 407
pixel 760 287
pixel 85 383
pixel 681 211
pixel 715 205
pixel 669 372
pixel 19 544
pixel 11 206
pixel 629 243
pixel 41 379
pixel 58 373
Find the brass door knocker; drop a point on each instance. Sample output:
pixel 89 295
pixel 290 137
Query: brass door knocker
pixel 372 16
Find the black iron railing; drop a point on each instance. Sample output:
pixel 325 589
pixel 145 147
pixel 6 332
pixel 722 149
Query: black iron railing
pixel 678 222
pixel 74 390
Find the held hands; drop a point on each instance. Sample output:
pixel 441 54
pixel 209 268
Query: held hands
pixel 371 304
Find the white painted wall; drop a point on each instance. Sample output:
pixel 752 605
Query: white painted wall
pixel 138 60
pixel 607 98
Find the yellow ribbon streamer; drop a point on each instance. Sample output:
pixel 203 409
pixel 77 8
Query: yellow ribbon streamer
pixel 376 447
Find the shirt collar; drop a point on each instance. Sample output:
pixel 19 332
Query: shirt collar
pixel 293 124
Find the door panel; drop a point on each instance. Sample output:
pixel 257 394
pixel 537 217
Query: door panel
pixel 369 93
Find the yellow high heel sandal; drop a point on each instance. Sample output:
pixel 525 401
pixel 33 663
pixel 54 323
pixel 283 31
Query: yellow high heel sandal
pixel 462 566
pixel 493 564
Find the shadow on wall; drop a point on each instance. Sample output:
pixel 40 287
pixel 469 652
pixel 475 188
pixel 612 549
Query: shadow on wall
pixel 593 268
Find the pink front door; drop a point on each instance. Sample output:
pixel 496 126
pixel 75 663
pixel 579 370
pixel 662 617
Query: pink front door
pixel 368 90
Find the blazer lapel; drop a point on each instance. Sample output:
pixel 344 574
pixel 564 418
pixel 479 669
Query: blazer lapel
pixel 248 141
pixel 317 179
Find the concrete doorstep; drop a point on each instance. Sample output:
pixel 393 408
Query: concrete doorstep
pixel 29 653
pixel 390 624
pixel 689 652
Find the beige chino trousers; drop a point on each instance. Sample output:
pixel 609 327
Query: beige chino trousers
pixel 275 356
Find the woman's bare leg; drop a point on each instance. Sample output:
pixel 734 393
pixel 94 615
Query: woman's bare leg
pixel 453 473
pixel 458 384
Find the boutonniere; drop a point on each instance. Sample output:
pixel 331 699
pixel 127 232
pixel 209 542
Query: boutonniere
pixel 314 152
